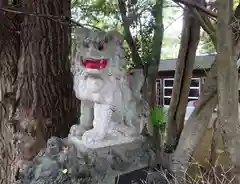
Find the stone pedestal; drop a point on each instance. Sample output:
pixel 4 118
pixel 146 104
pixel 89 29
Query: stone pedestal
pixel 69 161
pixel 115 157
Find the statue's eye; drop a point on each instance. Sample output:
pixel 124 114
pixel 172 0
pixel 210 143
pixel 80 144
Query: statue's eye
pixel 100 46
pixel 86 43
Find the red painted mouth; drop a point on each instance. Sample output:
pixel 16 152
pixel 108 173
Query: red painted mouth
pixel 95 63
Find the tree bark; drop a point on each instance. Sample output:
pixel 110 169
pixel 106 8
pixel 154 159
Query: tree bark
pixel 227 75
pixel 9 54
pixel 128 36
pixel 182 79
pixel 150 83
pixel 197 123
pixel 46 84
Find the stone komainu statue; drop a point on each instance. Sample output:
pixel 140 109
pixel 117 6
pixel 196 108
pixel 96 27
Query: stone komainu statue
pixel 110 97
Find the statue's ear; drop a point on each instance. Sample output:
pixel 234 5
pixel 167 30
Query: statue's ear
pixel 81 32
pixel 116 35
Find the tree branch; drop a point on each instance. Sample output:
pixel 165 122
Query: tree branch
pixel 197 6
pixel 206 25
pixel 60 19
pixel 204 21
pixel 128 36
pixel 211 31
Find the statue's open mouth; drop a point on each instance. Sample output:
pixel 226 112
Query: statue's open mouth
pixel 95 63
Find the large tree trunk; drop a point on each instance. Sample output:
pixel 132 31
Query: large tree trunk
pixel 197 124
pixel 46 84
pixel 182 79
pixel 9 53
pixel 227 75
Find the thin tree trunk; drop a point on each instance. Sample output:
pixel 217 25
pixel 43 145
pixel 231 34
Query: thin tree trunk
pixel 46 84
pixel 157 13
pixel 182 80
pixel 9 53
pixel 227 74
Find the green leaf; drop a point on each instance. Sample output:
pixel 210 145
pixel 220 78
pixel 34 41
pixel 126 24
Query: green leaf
pixel 100 3
pixel 159 117
pixel 235 4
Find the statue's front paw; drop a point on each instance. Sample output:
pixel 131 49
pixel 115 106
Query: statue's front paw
pixel 77 130
pixel 92 137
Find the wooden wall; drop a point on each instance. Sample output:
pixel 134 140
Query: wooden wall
pixel 170 74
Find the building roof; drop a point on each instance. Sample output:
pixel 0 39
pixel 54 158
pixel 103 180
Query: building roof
pixel 201 62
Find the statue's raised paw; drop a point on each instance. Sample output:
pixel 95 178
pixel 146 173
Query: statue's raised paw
pixel 92 136
pixel 77 130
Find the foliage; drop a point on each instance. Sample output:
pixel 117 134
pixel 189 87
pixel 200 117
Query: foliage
pixel 105 14
pixel 206 45
pixel 172 19
pixel 159 117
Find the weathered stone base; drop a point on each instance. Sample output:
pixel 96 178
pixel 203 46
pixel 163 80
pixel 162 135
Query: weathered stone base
pixel 71 162
pixel 115 157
